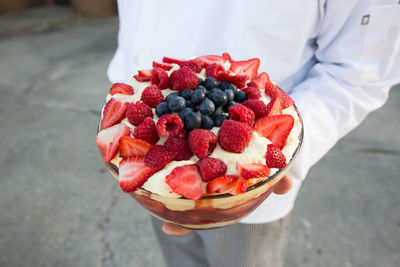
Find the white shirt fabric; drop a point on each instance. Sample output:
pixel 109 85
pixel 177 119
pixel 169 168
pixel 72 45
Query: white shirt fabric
pixel 337 59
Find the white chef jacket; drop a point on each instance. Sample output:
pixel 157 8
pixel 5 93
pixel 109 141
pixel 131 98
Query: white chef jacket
pixel 336 58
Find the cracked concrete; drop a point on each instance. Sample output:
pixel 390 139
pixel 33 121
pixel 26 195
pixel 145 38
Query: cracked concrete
pixel 60 207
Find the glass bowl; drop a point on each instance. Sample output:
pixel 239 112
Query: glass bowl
pixel 210 211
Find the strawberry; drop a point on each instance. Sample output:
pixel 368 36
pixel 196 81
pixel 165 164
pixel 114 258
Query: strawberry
pixel 246 67
pixel 213 69
pixel 238 80
pixel 159 77
pixel 272 91
pixel 252 170
pixel 239 186
pixel 162 65
pixel 137 112
pixel 183 78
pixel 202 142
pixel 121 88
pixel 211 168
pixel 257 106
pixel 108 140
pixel 113 113
pixel 208 60
pixel 179 145
pixel 227 56
pixel 234 136
pixel 147 131
pixel 274 107
pixel 260 81
pixel 141 79
pixel 276 128
pixel 241 113
pixel 274 157
pixel 144 73
pixel 186 181
pixel 158 156
pixel 195 65
pixel 252 92
pixel 152 96
pixel 172 60
pixel 129 147
pixel 221 184
pixel 170 125
pixel 133 173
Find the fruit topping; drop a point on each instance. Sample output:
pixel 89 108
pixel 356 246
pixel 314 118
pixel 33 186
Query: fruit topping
pixel 159 77
pixel 186 181
pixel 163 65
pixel 121 88
pixel 147 131
pixel 274 157
pixel 246 67
pixel 113 113
pixel 179 145
pixel 141 79
pixel 195 65
pixel 137 112
pixel 129 147
pixel 239 186
pixel 208 60
pixel 257 106
pixel 276 128
pixel 234 136
pixel 207 107
pixel 274 106
pixel 108 140
pixel 240 96
pixel 227 85
pixel 206 122
pixel 187 94
pixel 199 94
pixel 170 125
pixel 152 96
pixel 172 60
pixel 184 112
pixel 252 92
pixel 213 69
pixel 183 78
pixel 218 120
pixel 221 184
pixel 241 113
pixel 227 56
pixel 272 91
pixel 217 96
pixel 260 81
pixel 192 121
pixel 133 173
pixel 158 156
pixel 211 168
pixel 162 109
pixel 176 104
pixel 202 142
pixel 144 73
pixel 252 170
pixel 238 80
pixel 210 83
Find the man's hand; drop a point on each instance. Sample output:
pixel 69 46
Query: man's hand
pixel 284 185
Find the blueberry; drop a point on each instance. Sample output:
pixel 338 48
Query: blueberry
pixel 230 94
pixel 228 105
pixel 201 81
pixel 218 111
pixel 189 104
pixel 207 107
pixel 162 109
pixel 187 94
pixel 184 112
pixel 192 121
pixel 210 82
pixel 219 119
pixel 240 96
pixel 217 96
pixel 225 85
pixel 198 96
pixel 176 104
pixel 170 96
pixel 201 87
pixel 206 122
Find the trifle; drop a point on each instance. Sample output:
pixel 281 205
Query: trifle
pixel 199 142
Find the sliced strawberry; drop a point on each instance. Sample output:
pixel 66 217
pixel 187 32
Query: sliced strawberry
pixel 252 170
pixel 186 181
pixel 287 101
pixel 133 173
pixel 260 81
pixel 227 56
pixel 121 88
pixel 274 107
pixel 163 65
pixel 144 73
pixel 113 113
pixel 129 147
pixel 246 67
pixel 108 140
pixel 239 186
pixel 274 157
pixel 208 60
pixel 141 79
pixel 276 128
pixel 172 60
pixel 221 184
pixel 272 91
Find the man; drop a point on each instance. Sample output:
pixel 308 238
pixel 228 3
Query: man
pixel 336 58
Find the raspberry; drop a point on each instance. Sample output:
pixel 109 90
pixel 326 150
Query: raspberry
pixel 213 69
pixel 195 65
pixel 152 96
pixel 158 156
pixel 170 125
pixel 211 168
pixel 238 80
pixel 257 106
pixel 146 131
pixel 202 142
pixel 179 145
pixel 159 77
pixel 252 92
pixel 241 113
pixel 137 112
pixel 234 136
pixel 182 79
pixel 274 157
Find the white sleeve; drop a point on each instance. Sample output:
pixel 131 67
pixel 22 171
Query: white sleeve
pixel 358 60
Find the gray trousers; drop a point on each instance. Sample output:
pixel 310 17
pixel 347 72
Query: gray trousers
pixel 240 244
